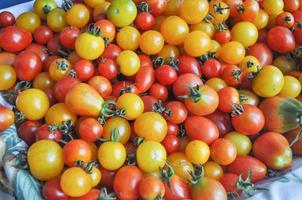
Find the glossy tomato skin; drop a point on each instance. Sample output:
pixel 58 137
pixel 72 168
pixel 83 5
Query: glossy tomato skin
pixel 159 91
pixel 144 78
pixel 280 156
pixel 43 34
pixel 52 190
pixel 6 19
pixel 151 187
pixel 62 87
pixel 102 85
pixel 222 121
pixel 208 188
pixel 7 118
pixel 14 39
pixel 188 64
pixel 149 102
pixel 90 130
pixel 223 151
pixel 250 122
pixel 244 164
pixel 262 52
pixel 165 75
pixel 39 49
pixel 183 82
pixel 27 130
pixel 112 51
pixel 93 194
pixel 178 110
pixel 212 68
pixel 45 132
pixel 227 97
pixel 84 69
pixel 144 21
pixel 27 65
pixel 201 128
pixel 286 40
pixel 76 150
pixel 107 68
pixel 126 182
pixel 171 143
pixel 68 36
pixel 179 189
pixel 228 180
pixel 157 7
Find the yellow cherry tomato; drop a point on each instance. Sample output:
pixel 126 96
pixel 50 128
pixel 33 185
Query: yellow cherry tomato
pixel 206 27
pixel 250 64
pixel 96 176
pixel 119 123
pixel 216 83
pixel 151 42
pixel 273 7
pixel 197 43
pixel 261 20
pixel 94 3
pixel 59 69
pixel 56 19
pixel 33 103
pixel 242 142
pixel 7 77
pixel 78 15
pixel 291 87
pixel 268 82
pixel 285 63
pixel 245 32
pixel 174 30
pixel 29 21
pixel 43 81
pixel 193 11
pixel 132 105
pixel 151 126
pixel 122 13
pixel 212 170
pixel 150 156
pixel 89 45
pixel 172 7
pixel 45 159
pixel 100 9
pixel 58 113
pixel 181 165
pixel 232 52
pixel 112 155
pixel 128 38
pixel 219 10
pixel 215 46
pixel 43 7
pixel 169 51
pixel 197 152
pixel 128 63
pixel 75 182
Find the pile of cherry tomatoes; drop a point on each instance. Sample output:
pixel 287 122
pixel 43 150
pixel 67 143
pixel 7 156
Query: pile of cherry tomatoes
pixel 154 99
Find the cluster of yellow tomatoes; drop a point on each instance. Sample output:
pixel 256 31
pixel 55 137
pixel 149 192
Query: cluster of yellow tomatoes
pixel 154 99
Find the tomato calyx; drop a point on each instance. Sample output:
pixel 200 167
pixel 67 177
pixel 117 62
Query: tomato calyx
pixel 67 128
pixel 202 59
pixel 160 108
pixel 219 9
pixel 46 9
pixel 299 134
pixel 159 61
pixel 196 175
pixel 237 109
pixel 236 73
pixel 62 65
pixel 143 7
pixel 208 18
pixel 104 195
pixel 67 5
pixel 115 136
pixel 131 159
pixel 86 167
pixel 138 141
pixel 194 94
pixel 19 116
pixel 220 27
pixel 182 131
pixel 11 95
pixel 167 174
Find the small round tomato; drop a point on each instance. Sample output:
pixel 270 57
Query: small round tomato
pixel 197 43
pixel 145 77
pixel 151 126
pixel 262 52
pixel 273 7
pixel 219 11
pixel 128 63
pixel 132 104
pixel 29 21
pixel 45 160
pixel 84 69
pixel 7 118
pixel 33 103
pixel 184 82
pixel 222 120
pixel 242 142
pixel 75 182
pixel 159 91
pixel 171 143
pixel 193 11
pixel 6 19
pixel 291 5
pixel 101 84
pixel 59 69
pixel 27 130
pixel 77 15
pixel 62 87
pixel 211 68
pixel 247 119
pixel 48 132
pixel 201 128
pixel 27 65
pixel 90 129
pixel 107 68
pixel 108 29
pixel 56 19
pixel 112 155
pixel 174 30
pixel 268 82
pixel 122 13
pixel 285 64
pixel 245 32
pixel 228 96
pixel 232 52
pixel 68 36
pixel 151 42
pixel 280 154
pixel 121 125
pixel 89 45
pixel 197 152
pixel 229 180
pixel 8 77
pixel 43 7
pixel 43 34
pixel 188 64
pixel 216 83
pixel 223 151
pixel 150 156
pixel 213 170
pixel 291 87
pixel 58 113
pixel 76 150
pixel 144 21
pixel 165 75
pixel 127 181
pixel 128 38
pixel 261 20
pixel 286 40
pixel 169 51
pixel 151 187
pixel 206 27
pixel 52 190
pixel 149 102
pixel 178 112
pixel 285 19
pixel 181 165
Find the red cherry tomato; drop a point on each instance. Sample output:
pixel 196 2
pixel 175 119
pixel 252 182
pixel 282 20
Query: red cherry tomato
pixel 188 64
pixel 90 129
pixel 84 69
pixel 43 34
pixel 211 68
pixel 6 19
pixel 48 132
pixel 107 68
pixel 286 40
pixel 159 91
pixel 166 75
pixel 52 190
pixel 171 143
pixel 14 39
pixel 68 36
pixel 63 86
pixel 27 131
pixel 144 21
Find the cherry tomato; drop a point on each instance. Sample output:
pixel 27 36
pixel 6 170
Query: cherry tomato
pixel 43 7
pixel 6 19
pixel 76 150
pixel 151 42
pixel 223 151
pixel 56 19
pixel 144 21
pixel 122 13
pixel 151 188
pixel 222 121
pixel 7 118
pixel 101 84
pixel 213 170
pixel 27 131
pixel 29 21
pixel 68 36
pixel 144 78
pixel 52 190
pixel 166 75
pixel 183 82
pixel 159 91
pixel 197 152
pixel 62 87
pixel 211 68
pixel 78 15
pixel 171 143
pixel 90 129
pixel 8 77
pixel 128 63
pixel 197 43
pixel 232 52
pixel 120 124
pixel 42 34
pixel 107 68
pixel 84 69
pixel 59 69
pixel 193 11
pixel 188 64
pixel 227 97
pixel 286 40
pixel 232 75
pixel 108 29
pixel 128 38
